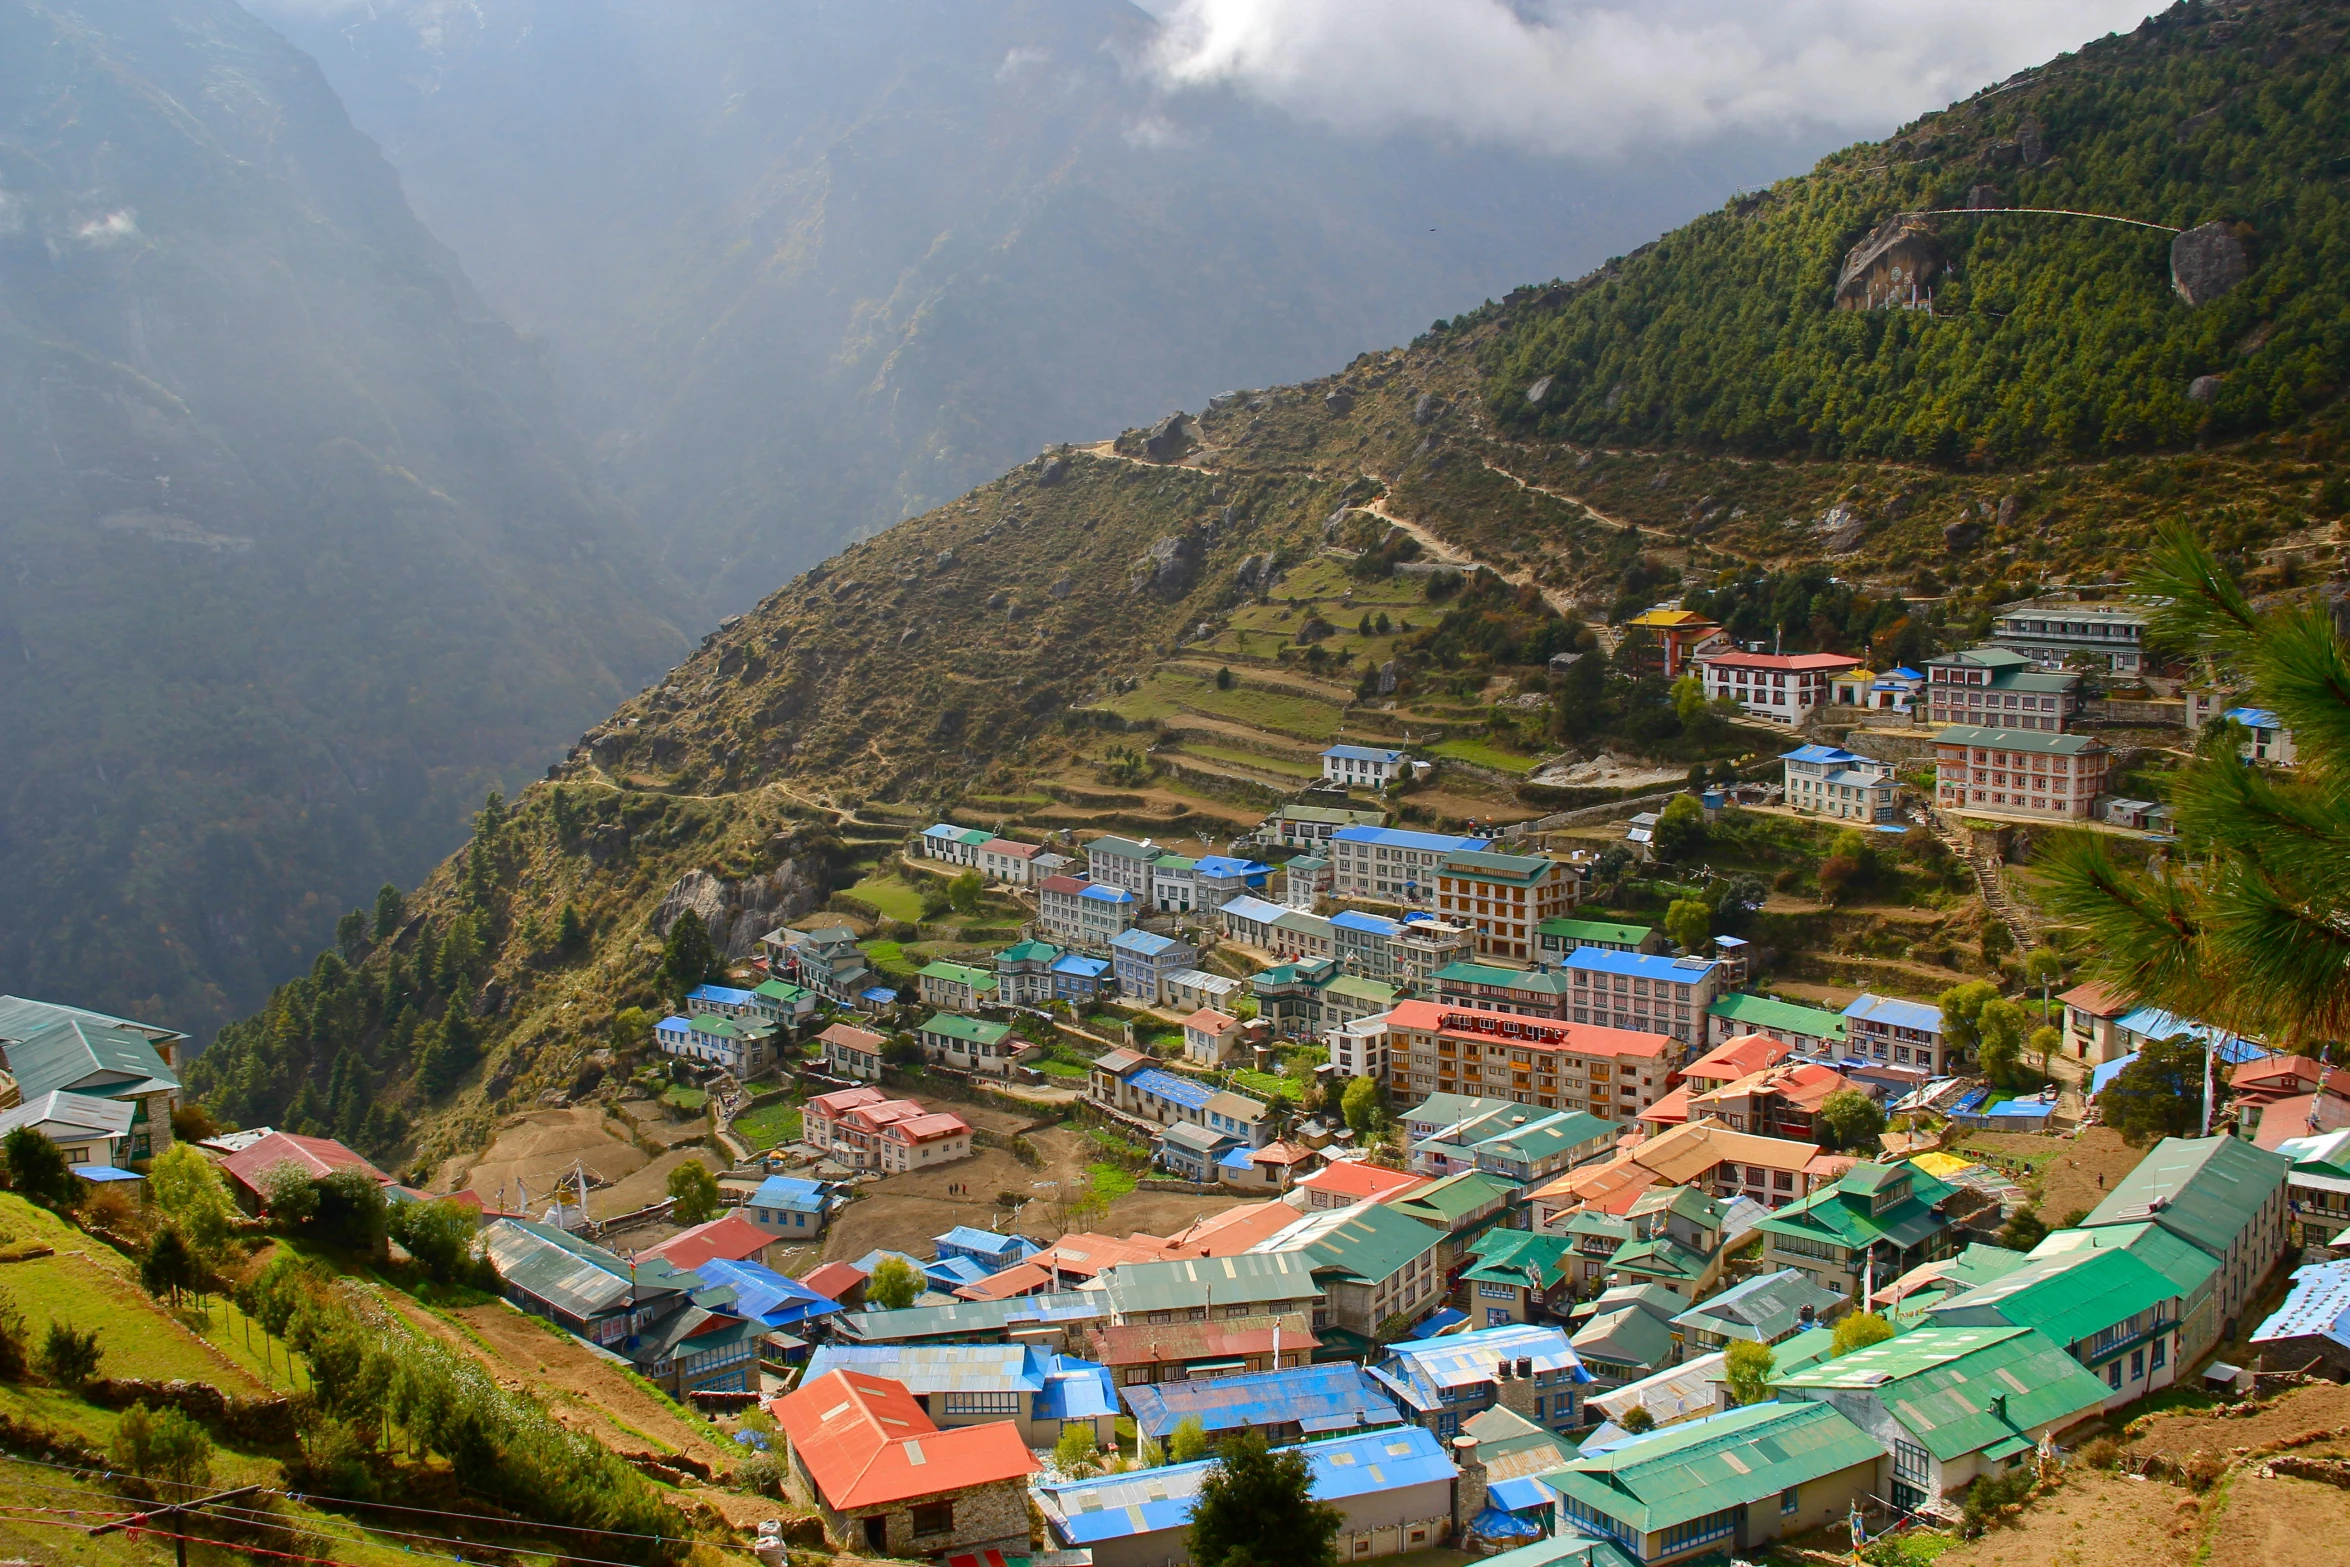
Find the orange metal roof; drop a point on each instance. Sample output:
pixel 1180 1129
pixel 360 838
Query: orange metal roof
pixel 866 1443
pixel 2096 1000
pixel 1142 1344
pixel 855 1039
pixel 1359 1178
pixel 833 1279
pixel 842 1100
pixel 316 1156
pixel 1735 1057
pixel 1233 1231
pixel 729 1238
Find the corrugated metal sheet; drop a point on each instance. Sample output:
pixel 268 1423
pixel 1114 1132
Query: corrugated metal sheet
pixel 1336 1397
pixel 1686 1471
pixel 972 1316
pixel 1248 1279
pixel 1115 1507
pixel 1424 1370
pixel 939 1368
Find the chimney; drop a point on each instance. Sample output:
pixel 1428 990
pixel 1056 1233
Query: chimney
pixel 1515 1393
pixel 1468 1487
pixel 1808 1316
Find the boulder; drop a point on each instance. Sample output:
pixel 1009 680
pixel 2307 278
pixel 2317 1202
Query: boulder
pixel 1167 567
pixel 1254 572
pixel 1539 390
pixel 1169 439
pixel 1062 587
pixel 2009 506
pixel 946 558
pixel 2206 261
pixel 2204 388
pixel 1427 409
pixel 1054 471
pixel 1389 674
pixel 1840 530
pixel 2031 141
pixel 1962 535
pixel 1339 402
pixel 1898 255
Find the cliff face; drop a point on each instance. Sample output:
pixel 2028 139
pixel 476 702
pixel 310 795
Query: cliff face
pixel 295 560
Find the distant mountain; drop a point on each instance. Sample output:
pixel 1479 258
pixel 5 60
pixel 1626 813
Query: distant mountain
pixel 809 269
pixel 295 562
pixel 1107 638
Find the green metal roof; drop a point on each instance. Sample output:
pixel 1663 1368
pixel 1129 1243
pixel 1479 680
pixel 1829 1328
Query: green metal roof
pixel 1807 1348
pixel 1764 1012
pixel 2209 1190
pixel 1449 1109
pixel 1663 1258
pixel 777 990
pixel 2184 1263
pixel 1029 952
pixel 1532 1144
pixel 1940 1383
pixel 1247 1279
pixel 1456 1195
pixel 1173 862
pixel 2069 1297
pixel 1373 1244
pixel 83 1056
pixel 21 1018
pixel 956 1026
pixel 1508 978
pixel 959 974
pixel 1489 866
pixel 1825 1214
pixel 712 1023
pixel 1692 1468
pixel 1362 989
pixel 1509 1256
pixel 1595 932
pixel 2018 740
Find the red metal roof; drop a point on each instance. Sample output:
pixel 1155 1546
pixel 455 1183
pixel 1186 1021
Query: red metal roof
pixel 1359 1178
pixel 866 1443
pixel 1072 885
pixel 1736 1056
pixel 1782 663
pixel 316 1156
pixel 841 1101
pixel 833 1280
pixel 1233 1231
pixel 729 1238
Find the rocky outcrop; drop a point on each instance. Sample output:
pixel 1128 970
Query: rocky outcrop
pixel 2204 388
pixel 1539 390
pixel 738 913
pixel 1254 572
pixel 1168 566
pixel 2031 141
pixel 2207 261
pixel 1427 409
pixel 1165 441
pixel 1339 402
pixel 1898 259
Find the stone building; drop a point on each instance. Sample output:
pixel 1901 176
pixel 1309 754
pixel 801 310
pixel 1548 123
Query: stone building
pixel 886 1481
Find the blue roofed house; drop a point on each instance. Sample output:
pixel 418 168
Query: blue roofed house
pixel 1363 766
pixel 722 1001
pixel 1825 780
pixel 1041 1392
pixel 2311 1330
pixel 2266 737
pixel 744 1046
pixel 1365 943
pixel 990 1250
pixel 1219 878
pixel 949 1274
pixel 1441 1382
pixel 789 1207
pixel 1297 1404
pixel 1078 978
pixel 1168 1098
pixel 1393 864
pixel 764 1295
pixel 1143 959
pixel 1194 1152
pixel 1394 1490
pixel 1905 1033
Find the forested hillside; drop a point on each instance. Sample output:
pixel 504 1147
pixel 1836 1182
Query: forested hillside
pixel 2047 335
pixel 1156 635
pixel 294 559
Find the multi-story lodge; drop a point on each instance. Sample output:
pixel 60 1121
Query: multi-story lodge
pixel 1393 864
pixel 2018 773
pixel 2059 631
pixel 1612 1073
pixel 1785 688
pixel 1636 990
pixel 1503 897
pixel 1823 780
pixel 2000 688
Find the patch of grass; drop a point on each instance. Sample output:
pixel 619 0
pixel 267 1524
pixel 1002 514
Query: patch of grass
pixel 1110 1180
pixel 1288 766
pixel 1055 1068
pixel 139 1337
pixel 892 896
pixel 769 1125
pixel 1483 753
pixel 686 1099
pixel 1265 1085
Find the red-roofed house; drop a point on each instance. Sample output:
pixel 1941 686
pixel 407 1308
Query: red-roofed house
pixel 248 1168
pixel 2283 1077
pixel 838 1281
pixel 2302 1115
pixel 1782 687
pixel 1615 1073
pixel 852 1052
pixel 918 1141
pixel 1344 1182
pixel 820 1120
pixel 728 1238
pixel 1210 1037
pixel 1008 860
pixel 1233 1231
pixel 2090 1011
pixel 887 1482
pixel 1779 1101
pixel 1733 1059
pixel 867 1130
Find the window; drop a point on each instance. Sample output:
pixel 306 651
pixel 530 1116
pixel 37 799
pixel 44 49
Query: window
pixel 2161 1353
pixel 934 1518
pixel 983 1403
pixel 1788 1502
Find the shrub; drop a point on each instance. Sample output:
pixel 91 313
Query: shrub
pixel 1859 1331
pixel 1991 1494
pixel 2101 1453
pixel 187 1190
pixel 36 1169
pixel 163 1445
pixel 171 1267
pixel 1637 1419
pixel 68 1357
pixel 439 1235
pixel 894 1285
pixel 16 1346
pixel 693 1193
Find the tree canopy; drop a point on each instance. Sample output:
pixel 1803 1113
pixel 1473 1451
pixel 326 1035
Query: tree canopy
pixel 1256 1508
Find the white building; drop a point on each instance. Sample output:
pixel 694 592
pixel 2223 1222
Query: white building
pixel 1359 1048
pixel 1362 766
pixel 1825 781
pixel 1783 687
pixel 1392 864
pixel 2053 633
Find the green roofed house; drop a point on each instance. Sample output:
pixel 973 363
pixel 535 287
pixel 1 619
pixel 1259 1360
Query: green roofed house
pixel 1024 973
pixel 1370 1263
pixel 1517 1276
pixel 1874 1224
pixel 2111 1311
pixel 783 1004
pixel 1461 1207
pixel 1950 1404
pixel 1805 1029
pixel 50 1049
pixel 954 987
pixel 1557 938
pixel 969 1045
pixel 1538 992
pixel 2223 1195
pixel 2191 1268
pixel 1728 1482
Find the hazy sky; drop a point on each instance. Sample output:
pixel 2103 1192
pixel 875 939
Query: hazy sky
pixel 1594 78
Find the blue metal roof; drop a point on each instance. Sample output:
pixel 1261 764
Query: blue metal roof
pixel 1078 964
pixel 1821 753
pixel 1237 1158
pixel 1173 1089
pixel 789 1192
pixel 1646 965
pixel 1436 1322
pixel 764 1294
pixel 1520 1494
pixel 723 995
pixel 1896 1014
pixel 2319 1306
pixel 2155 1023
pixel 877 993
pixel 1149 1501
pixel 2021 1107
pixel 941 830
pixel 1405 838
pixel 2255 717
pixel 1422 1370
pixel 1226 865
pixel 1335 1397
pixel 955 1272
pixel 1076 1390
pixel 985 1243
pixel 1372 924
pixel 1104 892
pixel 1143 943
pixel 1245 908
pixel 1363 753
pixel 673 1023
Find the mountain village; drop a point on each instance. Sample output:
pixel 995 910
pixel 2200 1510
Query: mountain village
pixel 1541 1235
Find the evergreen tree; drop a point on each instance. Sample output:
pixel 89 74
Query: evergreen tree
pixel 570 930
pixel 1256 1508
pixel 688 958
pixel 389 908
pixel 36 1169
pixel 351 936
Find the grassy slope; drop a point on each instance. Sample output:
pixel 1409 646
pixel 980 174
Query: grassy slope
pixel 973 654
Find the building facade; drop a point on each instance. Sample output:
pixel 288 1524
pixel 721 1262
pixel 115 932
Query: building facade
pixel 2056 776
pixel 1784 688
pixel 1393 864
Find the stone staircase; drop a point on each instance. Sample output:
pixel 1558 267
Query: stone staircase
pixel 2022 920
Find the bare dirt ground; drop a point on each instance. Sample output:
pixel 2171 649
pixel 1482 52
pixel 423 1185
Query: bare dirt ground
pixel 2093 1520
pixel 1608 771
pixel 538 1149
pixel 2293 1413
pixel 2280 1522
pixel 2070 1180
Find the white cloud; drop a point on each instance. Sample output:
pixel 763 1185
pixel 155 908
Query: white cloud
pixel 110 230
pixel 1592 78
pixel 11 213
pixel 1020 61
